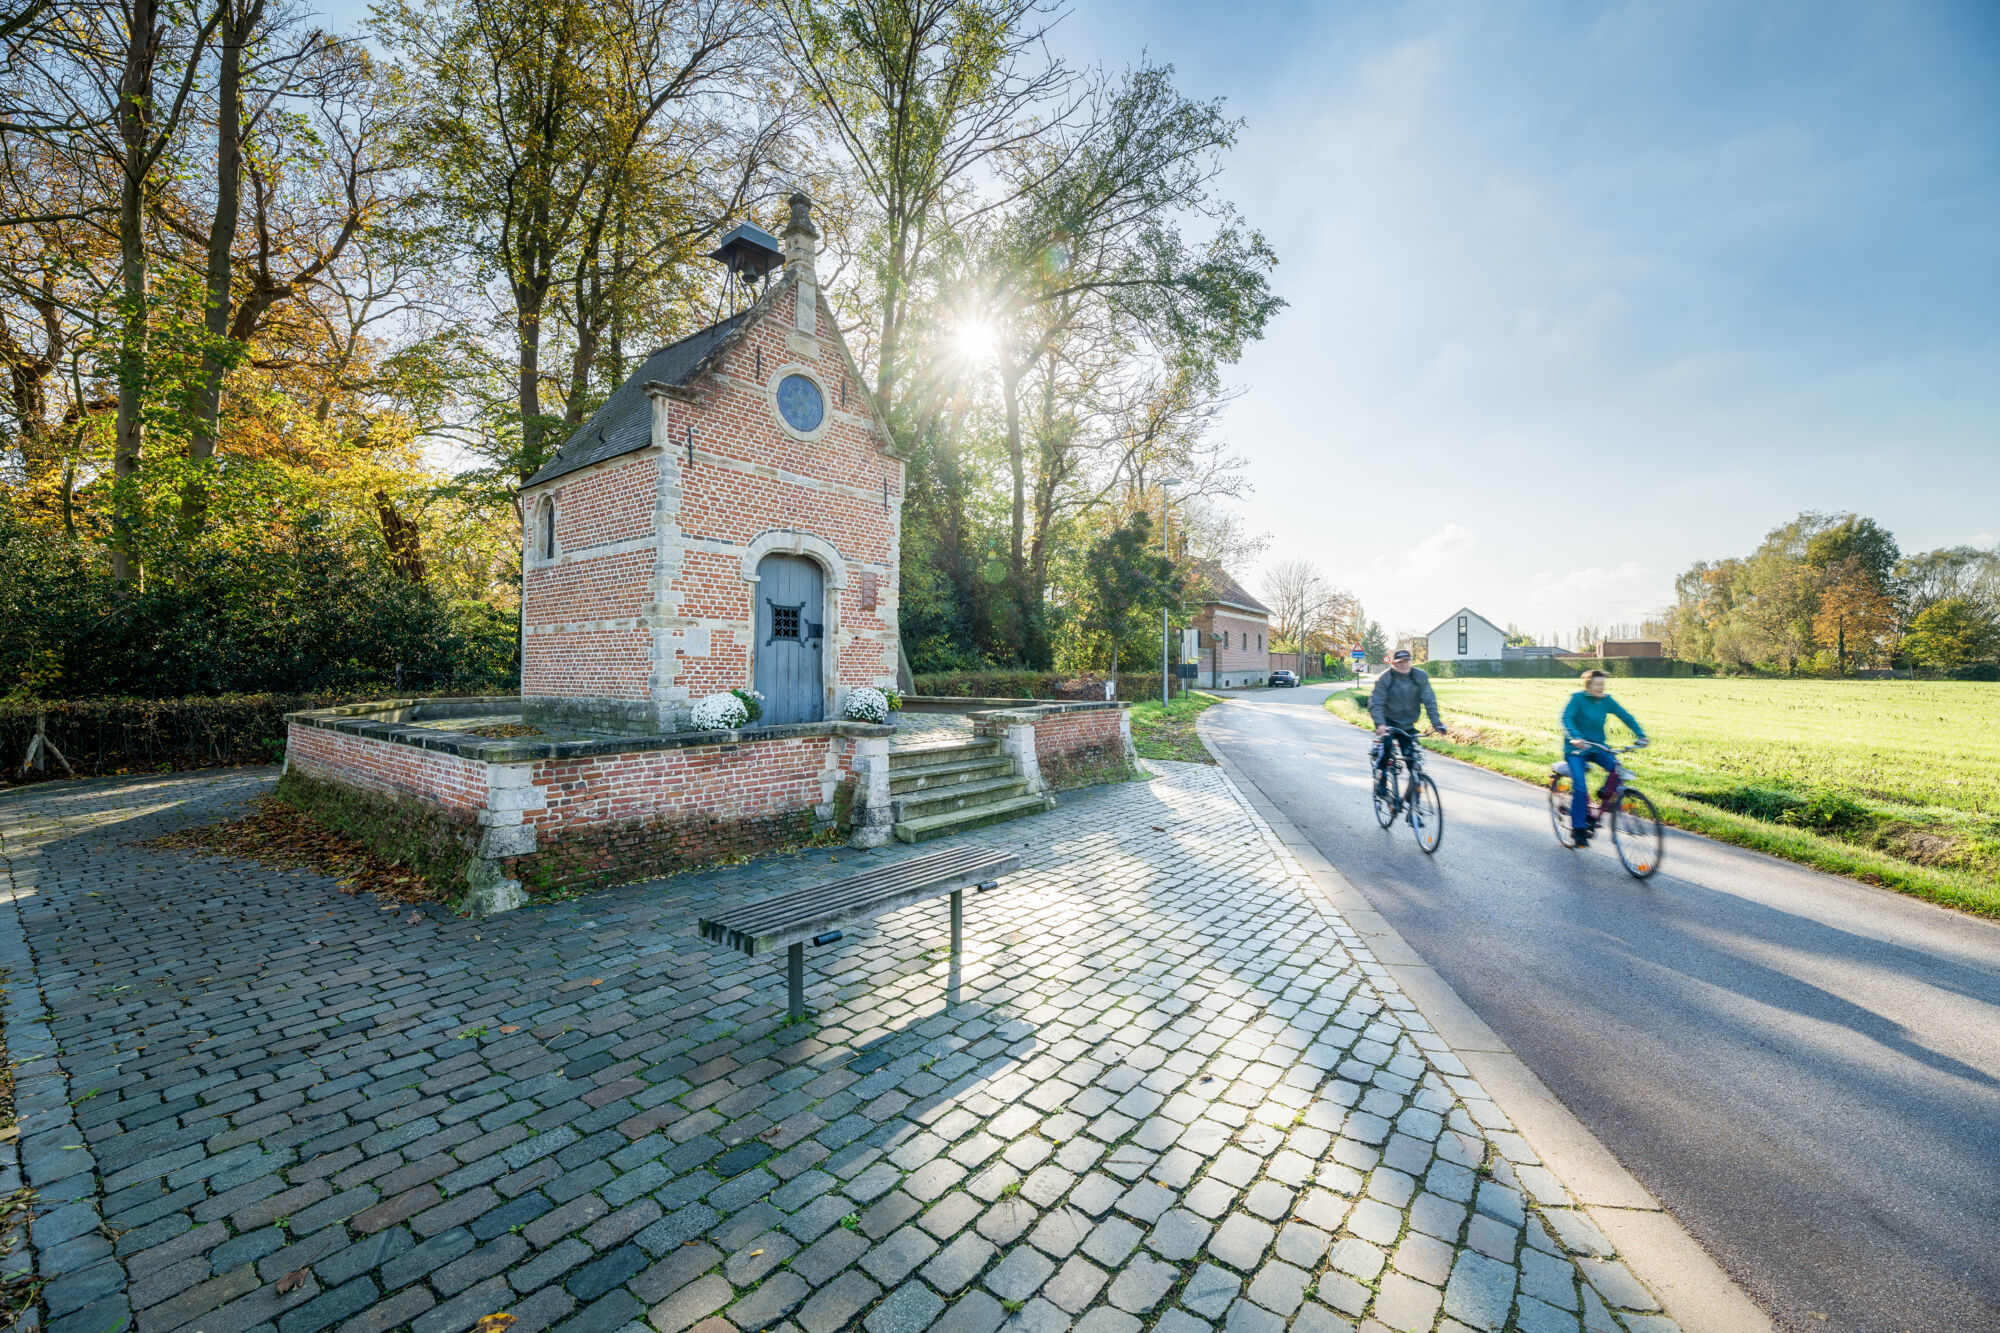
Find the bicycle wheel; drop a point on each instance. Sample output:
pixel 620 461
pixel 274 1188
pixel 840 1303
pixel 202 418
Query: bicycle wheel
pixel 1385 798
pixel 1426 814
pixel 1636 831
pixel 1559 811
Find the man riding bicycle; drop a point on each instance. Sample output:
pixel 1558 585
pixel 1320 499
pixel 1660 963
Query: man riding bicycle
pixel 1583 725
pixel 1401 693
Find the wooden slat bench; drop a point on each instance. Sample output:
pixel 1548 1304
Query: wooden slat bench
pixel 817 913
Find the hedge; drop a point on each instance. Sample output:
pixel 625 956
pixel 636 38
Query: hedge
pixel 1544 668
pixel 100 736
pixel 1133 686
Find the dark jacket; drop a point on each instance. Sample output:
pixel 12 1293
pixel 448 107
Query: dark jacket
pixel 1397 699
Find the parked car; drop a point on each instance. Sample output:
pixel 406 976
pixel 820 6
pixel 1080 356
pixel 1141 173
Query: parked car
pixel 1282 678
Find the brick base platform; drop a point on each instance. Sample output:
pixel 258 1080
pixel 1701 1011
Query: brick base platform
pixel 556 813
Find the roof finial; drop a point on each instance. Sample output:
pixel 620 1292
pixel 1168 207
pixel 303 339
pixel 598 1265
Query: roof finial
pixel 799 235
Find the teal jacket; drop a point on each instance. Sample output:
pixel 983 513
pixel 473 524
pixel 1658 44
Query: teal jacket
pixel 1583 717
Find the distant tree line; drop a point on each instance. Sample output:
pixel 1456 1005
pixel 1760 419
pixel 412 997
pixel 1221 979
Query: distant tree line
pixel 1830 593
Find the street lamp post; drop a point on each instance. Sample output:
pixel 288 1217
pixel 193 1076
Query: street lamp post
pixel 1167 485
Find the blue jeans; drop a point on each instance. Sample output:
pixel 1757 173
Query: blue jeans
pixel 1579 781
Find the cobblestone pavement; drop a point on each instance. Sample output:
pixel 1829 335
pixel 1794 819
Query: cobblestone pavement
pixel 1164 1086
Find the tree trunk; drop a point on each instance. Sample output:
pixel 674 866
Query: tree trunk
pixel 236 28
pixel 135 99
pixel 528 323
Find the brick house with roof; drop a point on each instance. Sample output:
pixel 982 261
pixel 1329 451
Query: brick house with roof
pixel 729 518
pixel 1235 633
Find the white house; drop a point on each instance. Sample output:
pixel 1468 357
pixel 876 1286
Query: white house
pixel 1465 635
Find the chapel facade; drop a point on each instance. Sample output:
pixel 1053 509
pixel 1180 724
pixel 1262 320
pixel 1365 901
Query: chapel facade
pixel 730 518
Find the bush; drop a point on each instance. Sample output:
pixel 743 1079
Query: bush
pixel 866 704
pixel 718 712
pixel 101 736
pixel 1557 668
pixel 1830 812
pixel 1133 687
pixel 310 613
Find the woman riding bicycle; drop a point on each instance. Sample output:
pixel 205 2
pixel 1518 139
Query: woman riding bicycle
pixel 1583 725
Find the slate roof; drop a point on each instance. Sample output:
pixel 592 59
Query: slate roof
pixel 1221 587
pixel 625 423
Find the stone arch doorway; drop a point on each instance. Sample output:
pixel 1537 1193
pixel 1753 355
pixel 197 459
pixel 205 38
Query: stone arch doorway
pixel 788 656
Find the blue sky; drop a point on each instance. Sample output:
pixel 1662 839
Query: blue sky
pixel 1581 293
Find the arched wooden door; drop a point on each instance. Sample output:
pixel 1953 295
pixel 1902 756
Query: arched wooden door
pixel 791 636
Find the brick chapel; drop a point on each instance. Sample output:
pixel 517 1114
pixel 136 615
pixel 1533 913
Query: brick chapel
pixel 730 517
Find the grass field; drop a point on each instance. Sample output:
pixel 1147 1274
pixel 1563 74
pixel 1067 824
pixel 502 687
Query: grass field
pixel 1161 732
pixel 1894 782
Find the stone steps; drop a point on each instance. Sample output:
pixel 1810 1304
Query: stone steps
pixel 960 821
pixel 929 756
pixel 959 795
pixel 939 790
pixel 903 781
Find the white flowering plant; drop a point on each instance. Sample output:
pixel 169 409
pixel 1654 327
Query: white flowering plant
pixel 753 703
pixel 718 712
pixel 866 704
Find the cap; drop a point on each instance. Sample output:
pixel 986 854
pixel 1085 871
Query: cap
pixel 1401 655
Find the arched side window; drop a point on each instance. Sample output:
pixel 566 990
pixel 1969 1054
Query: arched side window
pixel 545 535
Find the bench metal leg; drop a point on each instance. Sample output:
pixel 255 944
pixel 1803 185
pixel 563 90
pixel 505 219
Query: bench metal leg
pixel 795 979
pixel 957 920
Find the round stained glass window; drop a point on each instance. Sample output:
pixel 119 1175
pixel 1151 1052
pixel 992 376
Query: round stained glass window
pixel 801 403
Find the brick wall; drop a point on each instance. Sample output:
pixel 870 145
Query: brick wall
pixel 749 781
pixel 617 818
pixel 384 766
pixel 1073 746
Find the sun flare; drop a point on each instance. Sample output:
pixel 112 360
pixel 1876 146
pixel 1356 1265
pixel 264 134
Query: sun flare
pixel 976 340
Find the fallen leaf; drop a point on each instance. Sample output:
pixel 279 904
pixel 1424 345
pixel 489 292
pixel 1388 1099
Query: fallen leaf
pixel 492 1323
pixel 288 839
pixel 597 981
pixel 755 1253
pixel 511 1027
pixel 1159 828
pixel 292 1281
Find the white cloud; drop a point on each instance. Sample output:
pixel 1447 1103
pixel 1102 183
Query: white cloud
pixel 1441 550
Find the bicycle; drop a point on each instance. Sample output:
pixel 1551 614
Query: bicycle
pixel 1419 804
pixel 1636 830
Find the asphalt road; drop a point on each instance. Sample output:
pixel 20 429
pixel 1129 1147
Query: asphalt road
pixel 1804 1070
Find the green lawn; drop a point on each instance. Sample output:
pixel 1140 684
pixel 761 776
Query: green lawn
pixel 1168 732
pixel 1895 782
